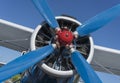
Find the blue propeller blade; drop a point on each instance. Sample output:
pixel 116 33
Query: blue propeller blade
pixel 84 69
pixel 43 8
pixel 24 62
pixel 99 21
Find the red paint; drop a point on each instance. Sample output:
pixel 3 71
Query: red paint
pixel 65 37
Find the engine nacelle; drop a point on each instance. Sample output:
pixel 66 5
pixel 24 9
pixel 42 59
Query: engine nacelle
pixel 57 65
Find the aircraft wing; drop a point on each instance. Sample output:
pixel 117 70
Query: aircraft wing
pixel 14 36
pixel 106 60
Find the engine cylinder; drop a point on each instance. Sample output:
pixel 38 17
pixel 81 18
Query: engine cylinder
pixel 55 64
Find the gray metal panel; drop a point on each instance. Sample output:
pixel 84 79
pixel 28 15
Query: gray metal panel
pixel 14 36
pixel 108 58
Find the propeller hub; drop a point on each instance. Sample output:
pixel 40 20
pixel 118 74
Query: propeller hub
pixel 65 37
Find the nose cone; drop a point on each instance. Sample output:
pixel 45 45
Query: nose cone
pixel 65 37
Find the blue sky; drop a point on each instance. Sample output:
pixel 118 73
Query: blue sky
pixel 23 12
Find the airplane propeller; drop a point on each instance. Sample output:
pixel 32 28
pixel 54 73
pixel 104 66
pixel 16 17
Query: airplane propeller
pixel 82 67
pixel 24 62
pixel 98 21
pixel 45 11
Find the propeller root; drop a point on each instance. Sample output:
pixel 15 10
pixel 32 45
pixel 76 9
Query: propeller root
pixel 75 34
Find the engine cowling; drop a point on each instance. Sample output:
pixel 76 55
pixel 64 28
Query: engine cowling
pixel 56 64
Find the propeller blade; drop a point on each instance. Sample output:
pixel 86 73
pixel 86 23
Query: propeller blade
pixel 43 8
pixel 84 69
pixel 99 21
pixel 24 62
